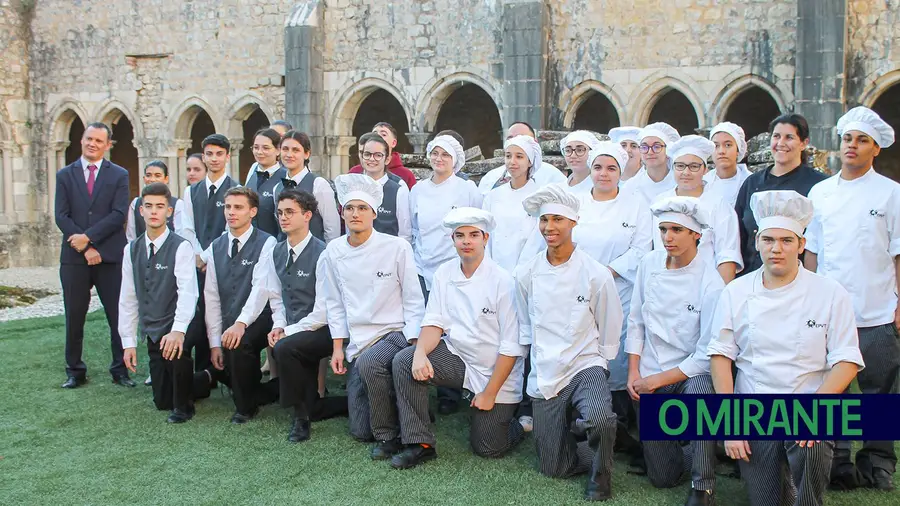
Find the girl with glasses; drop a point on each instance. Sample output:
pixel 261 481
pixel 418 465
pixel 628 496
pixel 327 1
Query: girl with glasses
pixel 655 177
pixel 575 148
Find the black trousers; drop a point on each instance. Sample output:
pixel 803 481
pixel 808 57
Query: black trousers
pixel 196 331
pixel 77 281
pixel 297 357
pixel 172 380
pixel 242 368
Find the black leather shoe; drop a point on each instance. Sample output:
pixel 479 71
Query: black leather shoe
pixel 882 480
pixel 701 498
pixel 180 416
pixel 73 382
pixel 599 488
pixel 413 455
pixel 844 481
pixel 299 430
pixel 242 418
pixel 447 407
pixel 384 450
pixel 124 381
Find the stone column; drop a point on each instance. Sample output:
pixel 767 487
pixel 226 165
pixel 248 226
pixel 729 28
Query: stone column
pixel 304 78
pixel 234 169
pixel 525 34
pixel 338 149
pixel 56 160
pixel 418 140
pixel 179 165
pixel 9 207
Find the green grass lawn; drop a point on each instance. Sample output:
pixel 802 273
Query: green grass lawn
pixel 103 444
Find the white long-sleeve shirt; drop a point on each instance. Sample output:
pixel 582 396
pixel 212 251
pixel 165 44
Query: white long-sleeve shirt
pixel 547 174
pixel 186 282
pixel 177 218
pixel 726 189
pixel 670 321
pixel 259 294
pixel 429 203
pixel 571 316
pixel 189 227
pixel 317 317
pixel 371 290
pixel 514 227
pixel 646 187
pixel 324 194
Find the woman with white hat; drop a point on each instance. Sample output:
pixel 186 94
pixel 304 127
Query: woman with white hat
pixel 575 148
pixel 731 148
pixel 629 137
pixel 656 176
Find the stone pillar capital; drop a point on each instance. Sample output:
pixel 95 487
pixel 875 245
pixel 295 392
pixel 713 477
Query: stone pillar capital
pixel 418 140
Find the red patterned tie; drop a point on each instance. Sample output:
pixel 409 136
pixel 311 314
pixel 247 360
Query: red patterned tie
pixel 92 169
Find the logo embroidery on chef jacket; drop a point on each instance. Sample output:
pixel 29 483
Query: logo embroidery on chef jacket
pixel 161 267
pixel 693 309
pixel 581 299
pixel 813 325
pixel 382 210
pixel 626 225
pixel 485 310
pixel 302 274
pixel 381 274
pixel 246 262
pixel 876 213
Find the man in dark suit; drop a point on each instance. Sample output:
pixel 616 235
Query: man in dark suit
pixel 91 207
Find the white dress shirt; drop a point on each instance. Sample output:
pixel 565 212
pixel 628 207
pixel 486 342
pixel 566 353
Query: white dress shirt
pixel 515 232
pixel 670 322
pixel 371 290
pixel 256 168
pixel 646 187
pixel 186 281
pixel 429 203
pixel 259 294
pixel 189 230
pixel 571 316
pixel 547 174
pixel 855 232
pixel 726 189
pixel 177 219
pixel 478 315
pixel 84 168
pixel 315 319
pixel 784 341
pixel 324 195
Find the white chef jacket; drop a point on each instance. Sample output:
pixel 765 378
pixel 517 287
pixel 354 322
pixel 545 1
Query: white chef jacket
pixel 188 223
pixel 429 203
pixel 259 294
pixel 324 195
pixel 177 218
pixel 186 287
pixel 855 232
pixel 478 315
pixel 726 189
pixel 584 187
pixel 547 174
pixel 371 290
pixel 571 316
pixel 721 242
pixel 670 322
pixel 784 341
pixel 646 187
pixel 514 227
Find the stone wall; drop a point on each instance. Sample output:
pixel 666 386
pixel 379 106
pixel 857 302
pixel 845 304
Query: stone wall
pixel 873 47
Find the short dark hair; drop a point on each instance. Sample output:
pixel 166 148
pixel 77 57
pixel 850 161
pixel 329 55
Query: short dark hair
pixel 158 190
pixel 373 137
pixel 216 140
pixel 390 127
pixel 798 122
pixel 282 123
pixel 300 137
pixel 269 133
pixel 307 201
pixel 452 133
pixel 101 126
pixel 530 128
pixel 198 156
pixel 251 195
pixel 160 164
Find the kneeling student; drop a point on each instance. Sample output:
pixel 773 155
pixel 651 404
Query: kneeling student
pixel 158 298
pixel 789 331
pixel 675 284
pixel 570 314
pixel 473 300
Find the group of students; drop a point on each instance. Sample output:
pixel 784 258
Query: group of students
pixel 551 303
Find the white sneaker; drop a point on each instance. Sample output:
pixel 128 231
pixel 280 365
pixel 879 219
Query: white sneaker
pixel 148 381
pixel 527 423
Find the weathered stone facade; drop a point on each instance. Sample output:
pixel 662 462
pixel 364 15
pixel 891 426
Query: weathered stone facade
pixel 165 73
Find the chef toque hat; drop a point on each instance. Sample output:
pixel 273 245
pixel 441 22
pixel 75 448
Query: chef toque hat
pixel 867 121
pixel 701 147
pixel 469 217
pixel 684 211
pixel 579 136
pixel 552 199
pixel 608 148
pixel 450 145
pixel 359 187
pixel 785 209
pixel 736 133
pixel 531 148
pixel 625 133
pixel 662 130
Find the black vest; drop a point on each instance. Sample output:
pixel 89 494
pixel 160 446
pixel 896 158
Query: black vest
pixel 155 286
pixel 298 282
pixel 266 220
pixel 140 227
pixel 209 214
pixel 235 275
pixel 316 224
pixel 386 221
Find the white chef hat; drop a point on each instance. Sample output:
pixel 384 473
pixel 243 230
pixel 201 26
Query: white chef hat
pixel 662 130
pixel 552 199
pixel 867 121
pixel 608 148
pixel 469 217
pixel 785 209
pixel 531 148
pixel 359 187
pixel 625 133
pixel 684 211
pixel 450 145
pixel 701 147
pixel 579 136
pixel 736 133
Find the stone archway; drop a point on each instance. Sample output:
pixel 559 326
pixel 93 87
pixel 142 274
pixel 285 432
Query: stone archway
pixel 753 109
pixel 674 107
pixel 380 105
pixel 596 113
pixel 123 151
pixel 887 105
pixel 67 123
pixel 249 126
pixel 471 112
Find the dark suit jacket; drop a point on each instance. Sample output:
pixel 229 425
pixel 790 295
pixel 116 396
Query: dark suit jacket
pixel 101 216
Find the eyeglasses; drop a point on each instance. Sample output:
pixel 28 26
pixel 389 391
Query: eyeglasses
pixel 693 167
pixel 656 148
pixel 286 213
pixel 442 156
pixel 577 151
pixel 262 148
pixel 368 155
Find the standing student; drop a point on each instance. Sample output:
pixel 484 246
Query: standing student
pixel 297 298
pixel 789 331
pixel 393 164
pixel 570 348
pixel 158 299
pixel 393 215
pixel 854 239
pixel 91 208
pixel 675 284
pixel 575 148
pixel 789 140
pixel 281 126
pixel 374 301
pixel 237 316
pixel 614 229
pixel 195 170
pixel 730 174
pixel 473 306
pixel 155 172
pixel 266 173
pixel 656 176
pixel 543 173
pixel 629 138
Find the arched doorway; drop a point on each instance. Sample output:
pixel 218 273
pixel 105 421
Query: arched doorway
pixel 596 113
pixel 753 109
pixel 76 132
pixel 470 111
pixel 202 127
pixel 674 108
pixel 124 154
pixel 378 106
pixel 251 125
pixel 888 107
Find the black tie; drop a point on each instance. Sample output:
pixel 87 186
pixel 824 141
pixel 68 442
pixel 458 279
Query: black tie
pixel 261 178
pixel 289 183
pixel 234 247
pixel 152 250
pixel 291 261
pixel 212 192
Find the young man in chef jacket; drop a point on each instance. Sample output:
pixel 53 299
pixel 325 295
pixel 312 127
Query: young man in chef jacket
pixel 675 284
pixel 473 302
pixel 854 239
pixel 374 301
pixel 569 313
pixel 789 331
